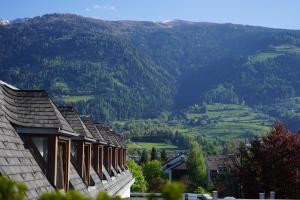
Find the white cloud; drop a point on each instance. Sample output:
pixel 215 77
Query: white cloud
pixel 87 10
pixel 105 7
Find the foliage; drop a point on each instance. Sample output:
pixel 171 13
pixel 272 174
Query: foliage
pixel 140 184
pixel 271 164
pixel 173 191
pixel 11 190
pixel 105 196
pixel 154 154
pixel 63 196
pixel 157 184
pixel 163 156
pixel 154 175
pixel 222 94
pixel 144 157
pixel 201 190
pixel 196 166
pixel 151 196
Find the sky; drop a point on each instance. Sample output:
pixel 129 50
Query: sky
pixel 268 13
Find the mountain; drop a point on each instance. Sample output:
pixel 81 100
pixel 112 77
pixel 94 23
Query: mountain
pixel 137 69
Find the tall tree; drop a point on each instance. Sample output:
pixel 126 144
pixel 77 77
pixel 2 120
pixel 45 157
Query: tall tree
pixel 163 156
pixel 196 166
pixel 154 175
pixel 154 154
pixel 140 184
pixel 144 157
pixel 271 163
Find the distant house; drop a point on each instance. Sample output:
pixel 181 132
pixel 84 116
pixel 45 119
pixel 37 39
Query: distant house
pixel 218 165
pixel 215 166
pixel 176 169
pixel 54 148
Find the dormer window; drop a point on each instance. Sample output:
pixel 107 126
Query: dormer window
pixel 98 159
pixel 81 152
pixel 62 181
pixel 108 159
pixel 52 154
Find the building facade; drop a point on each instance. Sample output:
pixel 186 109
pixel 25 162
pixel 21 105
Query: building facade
pixel 54 148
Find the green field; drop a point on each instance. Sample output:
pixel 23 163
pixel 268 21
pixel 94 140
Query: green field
pixel 276 51
pixel 148 146
pixel 75 99
pixel 226 121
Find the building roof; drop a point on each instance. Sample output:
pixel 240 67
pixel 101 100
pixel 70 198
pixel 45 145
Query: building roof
pixel 88 122
pixel 33 109
pixel 214 162
pixel 105 133
pixel 18 163
pixel 76 123
pixel 173 163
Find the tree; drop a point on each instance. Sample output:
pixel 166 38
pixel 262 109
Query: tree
pixel 154 154
pixel 157 184
pixel 11 190
pixel 163 156
pixel 153 170
pixel 144 157
pixel 140 184
pixel 196 166
pixel 271 163
pixel 173 191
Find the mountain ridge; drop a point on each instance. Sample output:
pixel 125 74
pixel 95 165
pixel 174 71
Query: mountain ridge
pixel 132 69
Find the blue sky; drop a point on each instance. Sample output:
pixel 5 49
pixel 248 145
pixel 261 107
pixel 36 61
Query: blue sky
pixel 269 13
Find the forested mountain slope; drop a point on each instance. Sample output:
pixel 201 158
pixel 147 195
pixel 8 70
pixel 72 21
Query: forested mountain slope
pixel 128 69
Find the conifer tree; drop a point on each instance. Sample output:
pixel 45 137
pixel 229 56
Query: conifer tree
pixel 154 154
pixel 144 157
pixel 163 156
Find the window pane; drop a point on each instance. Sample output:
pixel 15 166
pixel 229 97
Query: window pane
pixel 41 144
pixel 86 163
pixel 61 166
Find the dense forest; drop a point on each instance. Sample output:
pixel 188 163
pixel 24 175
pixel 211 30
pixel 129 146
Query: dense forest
pixel 129 69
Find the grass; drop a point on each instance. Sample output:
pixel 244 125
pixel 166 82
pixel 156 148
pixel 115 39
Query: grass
pixel 75 99
pixel 262 57
pixel 287 48
pixel 275 52
pixel 148 145
pixel 226 121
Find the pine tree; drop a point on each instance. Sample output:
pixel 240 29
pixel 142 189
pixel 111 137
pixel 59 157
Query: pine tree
pixel 154 154
pixel 163 156
pixel 144 157
pixel 196 166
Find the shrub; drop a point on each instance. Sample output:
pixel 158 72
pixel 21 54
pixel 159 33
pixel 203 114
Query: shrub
pixel 11 190
pixel 105 196
pixel 173 191
pixel 72 195
pixel 140 184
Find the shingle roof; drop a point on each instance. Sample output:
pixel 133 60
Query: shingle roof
pixel 75 121
pixel 76 182
pixel 18 163
pixel 113 137
pixel 34 109
pixel 214 162
pixel 105 134
pixel 88 122
pixel 120 141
